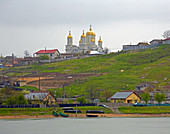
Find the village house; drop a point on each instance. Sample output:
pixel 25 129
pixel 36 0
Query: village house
pixel 27 61
pixel 52 54
pixel 66 55
pixel 166 41
pixel 40 97
pixel 125 97
pixel 156 41
pixel 142 86
pixel 20 83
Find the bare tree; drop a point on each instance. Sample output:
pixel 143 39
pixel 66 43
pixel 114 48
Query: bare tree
pixel 106 50
pixel 107 94
pixel 26 53
pixel 166 34
pixel 92 91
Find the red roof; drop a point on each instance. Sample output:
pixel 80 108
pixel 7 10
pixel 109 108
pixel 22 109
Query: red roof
pixel 46 51
pixel 167 39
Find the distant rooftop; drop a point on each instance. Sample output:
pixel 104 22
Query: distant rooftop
pixel 121 95
pixel 46 51
pixel 36 95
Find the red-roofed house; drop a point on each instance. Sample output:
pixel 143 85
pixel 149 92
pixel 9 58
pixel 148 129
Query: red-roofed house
pixel 53 54
pixel 166 41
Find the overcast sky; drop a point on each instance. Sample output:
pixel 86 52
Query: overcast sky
pixel 35 24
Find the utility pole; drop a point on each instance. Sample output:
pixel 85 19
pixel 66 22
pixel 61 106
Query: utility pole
pixel 64 90
pixel 71 92
pixel 12 59
pixel 39 82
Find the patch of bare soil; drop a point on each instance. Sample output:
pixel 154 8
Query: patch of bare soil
pixel 56 80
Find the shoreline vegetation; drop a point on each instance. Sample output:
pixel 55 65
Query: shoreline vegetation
pixel 123 111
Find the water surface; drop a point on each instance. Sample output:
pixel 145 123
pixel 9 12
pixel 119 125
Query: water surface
pixel 86 126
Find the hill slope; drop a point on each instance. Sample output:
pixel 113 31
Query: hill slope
pixel 142 66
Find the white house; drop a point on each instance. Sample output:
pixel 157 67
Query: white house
pixel 53 54
pixel 166 41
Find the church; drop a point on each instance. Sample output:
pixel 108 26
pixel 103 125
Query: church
pixel 86 43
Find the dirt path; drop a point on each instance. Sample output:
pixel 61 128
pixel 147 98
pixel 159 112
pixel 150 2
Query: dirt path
pixel 84 116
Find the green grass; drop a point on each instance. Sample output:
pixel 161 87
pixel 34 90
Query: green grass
pixel 25 111
pixel 45 111
pixel 29 88
pixel 143 66
pixel 145 110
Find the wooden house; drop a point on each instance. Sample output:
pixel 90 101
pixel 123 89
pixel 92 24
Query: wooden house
pixel 40 97
pixel 125 97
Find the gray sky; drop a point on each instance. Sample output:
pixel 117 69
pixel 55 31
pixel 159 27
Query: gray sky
pixel 35 24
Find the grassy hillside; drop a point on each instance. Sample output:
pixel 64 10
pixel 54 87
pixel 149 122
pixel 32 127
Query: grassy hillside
pixel 142 66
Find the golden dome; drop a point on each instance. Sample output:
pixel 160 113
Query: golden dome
pixel 100 39
pixel 80 40
pixel 92 40
pixel 83 35
pixel 69 36
pixel 90 32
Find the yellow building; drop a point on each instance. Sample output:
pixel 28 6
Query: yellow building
pixel 40 97
pixel 125 97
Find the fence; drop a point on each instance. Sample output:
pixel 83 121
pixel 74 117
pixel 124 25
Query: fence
pixel 74 105
pixel 21 106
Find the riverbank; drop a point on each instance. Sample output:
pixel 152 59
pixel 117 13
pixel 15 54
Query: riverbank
pixel 84 116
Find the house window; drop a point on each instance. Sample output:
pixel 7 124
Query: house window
pixel 135 101
pixel 34 96
pixel 114 101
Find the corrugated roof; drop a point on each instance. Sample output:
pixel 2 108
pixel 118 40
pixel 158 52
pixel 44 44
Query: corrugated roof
pixel 36 96
pixel 121 95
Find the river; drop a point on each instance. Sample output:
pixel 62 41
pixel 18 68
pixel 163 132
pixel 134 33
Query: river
pixel 86 126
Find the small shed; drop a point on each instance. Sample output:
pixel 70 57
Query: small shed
pixel 125 97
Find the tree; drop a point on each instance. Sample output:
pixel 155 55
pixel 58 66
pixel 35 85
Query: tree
pixel 106 50
pixel 81 100
pixel 9 96
pixel 92 92
pixel 21 100
pixel 145 97
pixel 159 97
pixel 166 34
pixel 107 94
pixel 44 57
pixel 26 53
pixel 6 93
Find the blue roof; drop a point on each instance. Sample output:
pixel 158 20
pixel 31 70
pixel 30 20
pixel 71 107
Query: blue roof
pixel 36 96
pixel 121 95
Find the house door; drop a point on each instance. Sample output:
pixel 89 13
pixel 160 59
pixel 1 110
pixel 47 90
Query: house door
pixel 129 101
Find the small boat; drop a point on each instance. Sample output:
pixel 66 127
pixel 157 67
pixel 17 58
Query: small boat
pixel 72 111
pixel 63 115
pixel 55 114
pixel 95 111
pixel 91 115
pixel 67 108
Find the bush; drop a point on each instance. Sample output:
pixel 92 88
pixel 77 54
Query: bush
pixel 44 57
pixel 145 97
pixel 81 100
pixel 159 97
